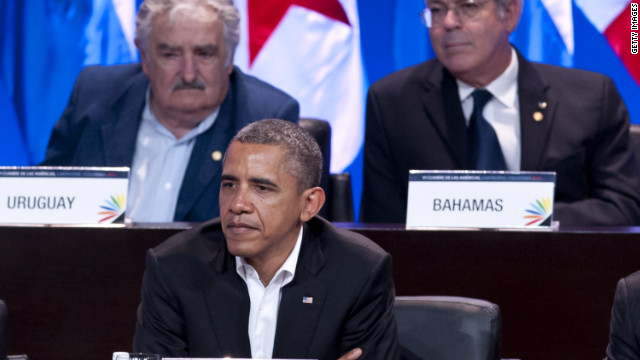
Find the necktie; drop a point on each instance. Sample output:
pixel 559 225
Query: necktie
pixel 484 148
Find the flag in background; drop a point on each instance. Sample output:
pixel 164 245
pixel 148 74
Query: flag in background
pixel 44 45
pixel 323 52
pixel 612 18
pixel 311 50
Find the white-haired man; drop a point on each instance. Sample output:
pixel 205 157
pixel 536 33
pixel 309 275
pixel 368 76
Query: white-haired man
pixel 171 117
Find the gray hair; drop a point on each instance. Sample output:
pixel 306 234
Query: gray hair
pixel 228 13
pixel 303 158
pixel 502 4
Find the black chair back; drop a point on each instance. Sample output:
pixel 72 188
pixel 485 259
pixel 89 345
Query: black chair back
pixel 634 130
pixel 448 328
pixel 3 330
pixel 320 130
pixel 338 205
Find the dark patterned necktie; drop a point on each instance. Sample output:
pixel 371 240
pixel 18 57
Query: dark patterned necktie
pixel 485 152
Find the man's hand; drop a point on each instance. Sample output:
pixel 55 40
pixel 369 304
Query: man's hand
pixel 352 355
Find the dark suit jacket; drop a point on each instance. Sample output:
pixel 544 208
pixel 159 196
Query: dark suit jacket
pixel 100 125
pixel 624 338
pixel 195 304
pixel 415 121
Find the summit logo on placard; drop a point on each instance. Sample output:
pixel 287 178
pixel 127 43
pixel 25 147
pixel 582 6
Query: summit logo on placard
pixel 113 207
pixel 539 213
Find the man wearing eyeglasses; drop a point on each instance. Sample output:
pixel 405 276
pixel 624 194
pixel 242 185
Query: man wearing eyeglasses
pixel 480 105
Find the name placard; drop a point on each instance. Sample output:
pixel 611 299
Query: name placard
pixel 480 199
pixel 63 195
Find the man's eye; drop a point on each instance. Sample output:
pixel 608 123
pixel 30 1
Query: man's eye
pixel 436 10
pixel 206 55
pixel 227 185
pixel 169 55
pixel 470 7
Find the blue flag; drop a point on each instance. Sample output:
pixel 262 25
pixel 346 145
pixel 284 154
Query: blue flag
pixel 44 45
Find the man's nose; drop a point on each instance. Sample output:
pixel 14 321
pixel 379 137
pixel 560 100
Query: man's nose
pixel 241 202
pixel 451 19
pixel 189 67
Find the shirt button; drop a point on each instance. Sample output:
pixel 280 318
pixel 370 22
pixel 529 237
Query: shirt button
pixel 167 186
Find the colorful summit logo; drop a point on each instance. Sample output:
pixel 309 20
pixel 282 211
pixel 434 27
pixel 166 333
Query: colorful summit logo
pixel 538 213
pixel 113 207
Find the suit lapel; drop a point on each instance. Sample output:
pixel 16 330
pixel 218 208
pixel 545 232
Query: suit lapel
pixel 456 124
pixel 229 314
pixel 441 103
pixel 302 302
pixel 202 170
pixel 120 126
pixel 536 115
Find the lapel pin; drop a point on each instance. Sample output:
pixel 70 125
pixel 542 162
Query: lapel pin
pixel 542 105
pixel 307 300
pixel 537 116
pixel 216 155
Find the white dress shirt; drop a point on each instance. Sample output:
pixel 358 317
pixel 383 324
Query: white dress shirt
pixel 502 111
pixel 159 163
pixel 265 301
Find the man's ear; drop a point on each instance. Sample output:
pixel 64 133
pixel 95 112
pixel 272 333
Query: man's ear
pixel 230 66
pixel 313 199
pixel 143 56
pixel 512 14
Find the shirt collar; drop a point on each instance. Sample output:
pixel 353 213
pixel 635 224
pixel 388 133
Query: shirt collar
pixel 504 88
pixel 150 118
pixel 288 267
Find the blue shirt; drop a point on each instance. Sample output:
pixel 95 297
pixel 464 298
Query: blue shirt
pixel 159 163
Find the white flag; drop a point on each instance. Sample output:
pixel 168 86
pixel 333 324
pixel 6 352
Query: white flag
pixel 311 50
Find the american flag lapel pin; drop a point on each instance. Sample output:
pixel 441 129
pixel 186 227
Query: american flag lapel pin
pixel 307 300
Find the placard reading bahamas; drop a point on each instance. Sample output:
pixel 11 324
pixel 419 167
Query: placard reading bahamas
pixel 480 199
pixel 63 195
pixel 463 205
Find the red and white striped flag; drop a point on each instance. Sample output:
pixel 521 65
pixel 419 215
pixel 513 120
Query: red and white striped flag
pixel 311 50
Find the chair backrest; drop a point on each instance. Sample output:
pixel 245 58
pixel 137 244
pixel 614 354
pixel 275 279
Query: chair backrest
pixel 448 328
pixel 635 137
pixel 337 187
pixel 3 330
pixel 320 130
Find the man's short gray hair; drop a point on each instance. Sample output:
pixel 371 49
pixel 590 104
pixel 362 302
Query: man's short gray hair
pixel 228 13
pixel 303 158
pixel 502 4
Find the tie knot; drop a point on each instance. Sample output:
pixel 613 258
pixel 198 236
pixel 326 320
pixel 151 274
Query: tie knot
pixel 480 98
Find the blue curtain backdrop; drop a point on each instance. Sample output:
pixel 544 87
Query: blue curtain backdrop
pixel 45 43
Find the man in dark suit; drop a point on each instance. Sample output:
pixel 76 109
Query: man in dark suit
pixel 545 118
pixel 171 117
pixel 269 278
pixel 624 337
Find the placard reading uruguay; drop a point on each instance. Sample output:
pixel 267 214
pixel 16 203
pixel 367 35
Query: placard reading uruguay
pixel 480 199
pixel 63 195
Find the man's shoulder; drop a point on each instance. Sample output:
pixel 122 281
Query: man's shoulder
pixel 347 244
pixel 195 244
pixel 248 84
pixel 565 76
pixel 632 282
pixel 105 82
pixel 415 75
pixel 111 72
